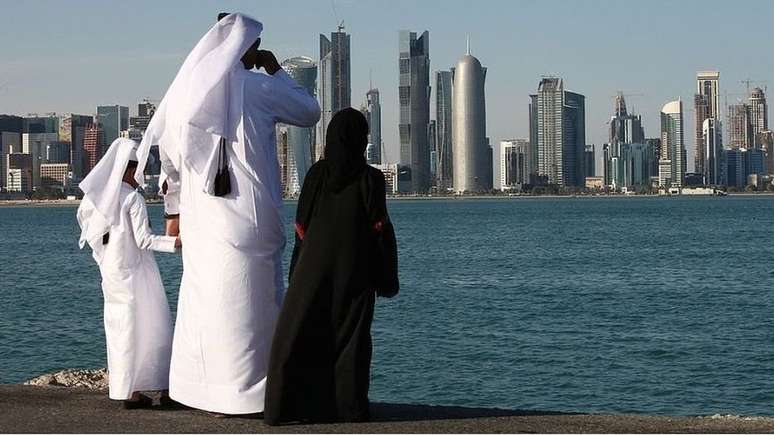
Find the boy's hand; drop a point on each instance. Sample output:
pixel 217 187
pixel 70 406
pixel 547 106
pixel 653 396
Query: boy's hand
pixel 173 226
pixel 178 243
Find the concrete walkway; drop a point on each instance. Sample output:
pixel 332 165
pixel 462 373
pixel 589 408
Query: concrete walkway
pixel 52 409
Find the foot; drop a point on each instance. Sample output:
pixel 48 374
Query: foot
pixel 138 401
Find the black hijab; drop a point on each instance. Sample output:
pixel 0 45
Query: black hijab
pixel 345 145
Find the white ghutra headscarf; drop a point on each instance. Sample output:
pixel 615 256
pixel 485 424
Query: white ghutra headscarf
pixel 101 208
pixel 194 112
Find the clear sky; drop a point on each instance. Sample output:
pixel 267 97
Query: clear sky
pixel 70 56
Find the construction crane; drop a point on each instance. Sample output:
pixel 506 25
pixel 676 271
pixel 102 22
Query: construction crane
pixel 748 81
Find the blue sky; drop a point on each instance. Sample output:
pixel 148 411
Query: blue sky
pixel 73 55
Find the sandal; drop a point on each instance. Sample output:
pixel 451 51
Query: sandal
pixel 143 402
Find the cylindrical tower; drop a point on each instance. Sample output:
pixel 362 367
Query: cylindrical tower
pixel 469 143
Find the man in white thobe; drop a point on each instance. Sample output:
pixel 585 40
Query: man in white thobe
pixel 232 284
pixel 138 325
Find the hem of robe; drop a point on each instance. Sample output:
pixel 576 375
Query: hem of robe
pixel 224 399
pixel 113 393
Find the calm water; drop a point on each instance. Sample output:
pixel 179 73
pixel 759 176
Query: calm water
pixel 600 305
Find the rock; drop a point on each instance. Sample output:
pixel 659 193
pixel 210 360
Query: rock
pixel 96 379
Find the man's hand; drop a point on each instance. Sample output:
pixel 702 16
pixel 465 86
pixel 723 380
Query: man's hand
pixel 266 59
pixel 178 243
pixel 173 226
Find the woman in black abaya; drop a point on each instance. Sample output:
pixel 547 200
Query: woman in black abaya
pixel 345 254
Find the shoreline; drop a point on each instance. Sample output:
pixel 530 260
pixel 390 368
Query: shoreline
pixel 75 202
pixel 46 409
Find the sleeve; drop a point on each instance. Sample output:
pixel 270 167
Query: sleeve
pixel 143 235
pixel 285 99
pixel 387 243
pixel 171 177
pixel 304 211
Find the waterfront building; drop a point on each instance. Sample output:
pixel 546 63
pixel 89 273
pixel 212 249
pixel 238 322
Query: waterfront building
pixel 281 135
pixel 625 153
pixel 713 151
pixel 739 164
pixel 765 140
pixel 589 162
pixel 335 89
pixel 557 124
pixel 759 115
pixel 57 152
pixel 41 124
pixel 145 111
pixel 471 153
pixel 373 113
pixel 112 121
pixel 300 140
pixel 92 147
pixel 19 173
pixel 706 105
pixel 390 171
pixel 10 142
pixel 739 126
pixel 72 129
pixel 512 168
pixel 54 175
pixel 414 104
pixel 672 163
pixel 443 127
pixel 595 183
pixel 36 145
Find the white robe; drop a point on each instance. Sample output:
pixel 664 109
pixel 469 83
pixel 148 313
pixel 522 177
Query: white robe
pixel 138 324
pixel 232 284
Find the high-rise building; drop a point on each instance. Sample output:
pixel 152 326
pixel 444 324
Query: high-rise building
pixel 590 162
pixel 92 147
pixel 559 119
pixel 672 162
pixel 54 175
pixel 712 133
pixel 11 128
pixel 301 140
pixel 739 127
pixel 112 121
pixel 706 105
pixel 36 145
pixel 512 168
pixel 443 129
pixel 533 134
pixel 57 152
pixel 373 113
pixel 145 111
pixel 471 152
pixel 623 151
pixel 281 134
pixel 739 164
pixel 414 102
pixel 759 115
pixel 72 128
pixel 41 124
pixel 19 174
pixel 335 89
pixel 654 154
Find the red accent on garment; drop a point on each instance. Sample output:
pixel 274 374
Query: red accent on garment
pixel 378 226
pixel 300 231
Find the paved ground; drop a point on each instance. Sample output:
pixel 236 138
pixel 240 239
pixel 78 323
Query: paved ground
pixel 52 409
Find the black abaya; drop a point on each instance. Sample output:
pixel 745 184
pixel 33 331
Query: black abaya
pixel 319 368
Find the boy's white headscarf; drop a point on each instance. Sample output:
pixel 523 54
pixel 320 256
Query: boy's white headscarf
pixel 194 112
pixel 100 208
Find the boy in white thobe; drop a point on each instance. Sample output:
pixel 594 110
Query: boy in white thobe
pixel 138 327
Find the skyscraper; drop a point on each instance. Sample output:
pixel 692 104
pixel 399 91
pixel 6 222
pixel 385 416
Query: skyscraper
pixel 590 163
pixel 92 147
pixel 513 164
pixel 713 149
pixel 300 140
pixel 72 128
pixel 558 124
pixel 36 145
pixel 622 152
pixel 740 129
pixel 112 121
pixel 471 152
pixel 759 115
pixel 414 101
pixel 672 162
pixel 11 128
pixel 335 88
pixel 373 113
pixel 443 129
pixel 705 106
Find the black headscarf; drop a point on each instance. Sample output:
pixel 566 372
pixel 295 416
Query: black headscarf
pixel 345 145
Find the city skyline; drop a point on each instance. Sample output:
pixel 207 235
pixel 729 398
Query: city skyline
pixel 123 68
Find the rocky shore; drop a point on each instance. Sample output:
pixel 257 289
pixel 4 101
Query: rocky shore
pixel 73 401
